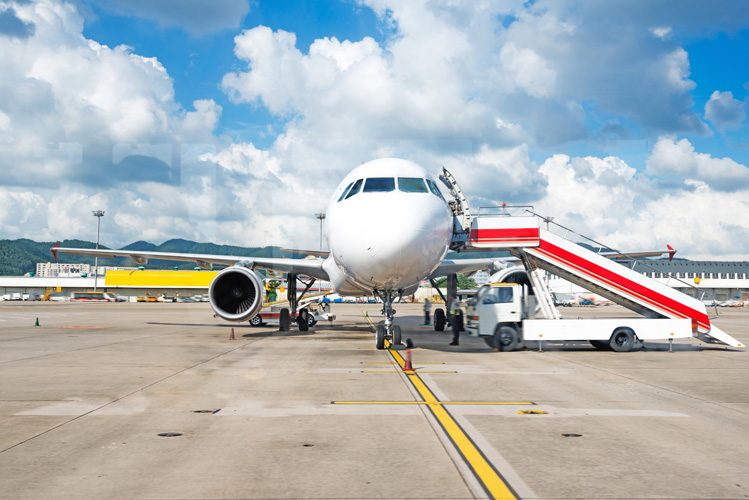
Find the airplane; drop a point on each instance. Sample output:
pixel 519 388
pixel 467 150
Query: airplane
pixel 389 228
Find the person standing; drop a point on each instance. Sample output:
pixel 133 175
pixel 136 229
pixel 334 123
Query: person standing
pixel 456 311
pixel 427 311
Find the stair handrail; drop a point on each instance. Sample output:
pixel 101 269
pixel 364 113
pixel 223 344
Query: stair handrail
pixel 550 220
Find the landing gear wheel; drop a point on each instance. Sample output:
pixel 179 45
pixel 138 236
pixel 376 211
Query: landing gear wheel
pixel 439 320
pixel 301 320
pixel 505 338
pixel 256 321
pixel 603 345
pixel 396 335
pixel 622 340
pixel 380 337
pixel 284 320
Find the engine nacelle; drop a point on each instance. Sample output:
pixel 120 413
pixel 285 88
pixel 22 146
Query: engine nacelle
pixel 237 293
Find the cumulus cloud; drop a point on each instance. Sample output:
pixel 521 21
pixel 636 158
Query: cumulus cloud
pixel 678 160
pixel 724 111
pixel 607 200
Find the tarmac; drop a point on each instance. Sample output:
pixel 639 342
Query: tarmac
pixel 153 401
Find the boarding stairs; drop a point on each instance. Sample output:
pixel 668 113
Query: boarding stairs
pixel 538 248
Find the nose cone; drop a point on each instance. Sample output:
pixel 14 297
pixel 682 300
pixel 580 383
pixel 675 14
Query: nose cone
pixel 393 245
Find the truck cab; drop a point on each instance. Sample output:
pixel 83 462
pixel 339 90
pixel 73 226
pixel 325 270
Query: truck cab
pixel 497 311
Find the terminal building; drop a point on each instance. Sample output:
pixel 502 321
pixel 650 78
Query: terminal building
pixel 704 280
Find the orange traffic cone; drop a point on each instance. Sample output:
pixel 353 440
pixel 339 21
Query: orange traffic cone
pixel 408 366
pixel 231 337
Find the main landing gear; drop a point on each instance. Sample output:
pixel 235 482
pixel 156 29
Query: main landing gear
pixel 388 330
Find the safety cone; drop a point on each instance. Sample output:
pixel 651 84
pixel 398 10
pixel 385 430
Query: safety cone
pixel 231 337
pixel 408 367
pixel 37 322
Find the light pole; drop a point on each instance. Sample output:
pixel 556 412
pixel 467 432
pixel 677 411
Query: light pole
pixel 98 214
pixel 321 217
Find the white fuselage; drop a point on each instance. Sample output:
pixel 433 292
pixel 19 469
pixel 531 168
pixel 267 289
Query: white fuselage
pixel 387 228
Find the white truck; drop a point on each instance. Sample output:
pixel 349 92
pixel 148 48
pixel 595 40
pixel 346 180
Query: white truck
pixel 506 315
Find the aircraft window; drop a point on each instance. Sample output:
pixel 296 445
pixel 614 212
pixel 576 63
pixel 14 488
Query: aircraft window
pixel 354 189
pixel 434 188
pixel 412 185
pixel 345 191
pixel 379 185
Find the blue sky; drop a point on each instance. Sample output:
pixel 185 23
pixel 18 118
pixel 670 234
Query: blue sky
pixel 232 121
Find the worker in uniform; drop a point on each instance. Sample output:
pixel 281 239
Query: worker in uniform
pixel 456 311
pixel 427 311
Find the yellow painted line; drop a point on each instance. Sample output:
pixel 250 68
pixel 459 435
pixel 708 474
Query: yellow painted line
pixel 406 371
pixel 489 477
pixel 490 403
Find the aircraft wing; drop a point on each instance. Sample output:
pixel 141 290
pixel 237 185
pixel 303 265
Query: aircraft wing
pixel 308 267
pixel 636 255
pixel 469 266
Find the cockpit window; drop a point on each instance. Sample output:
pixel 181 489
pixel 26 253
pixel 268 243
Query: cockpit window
pixel 412 185
pixel 345 191
pixel 434 188
pixel 354 189
pixel 379 185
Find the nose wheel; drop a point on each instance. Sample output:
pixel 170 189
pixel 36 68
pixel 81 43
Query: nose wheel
pixel 388 330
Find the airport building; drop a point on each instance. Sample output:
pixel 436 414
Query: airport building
pixel 725 281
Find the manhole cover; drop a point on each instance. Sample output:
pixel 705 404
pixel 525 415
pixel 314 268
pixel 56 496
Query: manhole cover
pixel 169 434
pixel 572 435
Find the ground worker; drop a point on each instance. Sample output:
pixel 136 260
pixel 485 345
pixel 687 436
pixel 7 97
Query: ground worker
pixel 456 312
pixel 427 310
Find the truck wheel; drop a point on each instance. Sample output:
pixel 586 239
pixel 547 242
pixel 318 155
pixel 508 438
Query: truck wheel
pixel 439 320
pixel 604 345
pixel 284 321
pixel 380 337
pixel 505 338
pixel 396 335
pixel 622 340
pixel 256 321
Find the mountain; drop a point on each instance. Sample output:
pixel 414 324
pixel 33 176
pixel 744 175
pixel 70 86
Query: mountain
pixel 18 257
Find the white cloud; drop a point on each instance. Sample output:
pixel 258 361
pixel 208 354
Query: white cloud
pixel 724 111
pixel 606 200
pixel 679 161
pixel 527 70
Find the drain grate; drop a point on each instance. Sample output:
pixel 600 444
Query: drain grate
pixel 212 412
pixel 572 435
pixel 169 434
pixel 533 412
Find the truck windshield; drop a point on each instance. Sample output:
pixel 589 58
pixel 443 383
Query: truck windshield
pixel 498 295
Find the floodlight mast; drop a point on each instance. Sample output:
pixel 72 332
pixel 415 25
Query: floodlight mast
pixel 98 214
pixel 321 217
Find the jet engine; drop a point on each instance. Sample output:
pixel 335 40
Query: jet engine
pixel 237 293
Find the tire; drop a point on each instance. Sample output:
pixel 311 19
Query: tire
pixel 439 320
pixel 380 337
pixel 302 321
pixel 284 320
pixel 396 335
pixel 505 338
pixel 604 345
pixel 256 321
pixel 622 340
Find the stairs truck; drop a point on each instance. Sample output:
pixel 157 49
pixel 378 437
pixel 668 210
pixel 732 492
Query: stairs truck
pixel 519 307
pixel 507 314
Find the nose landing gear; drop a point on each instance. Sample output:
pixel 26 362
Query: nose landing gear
pixel 388 330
